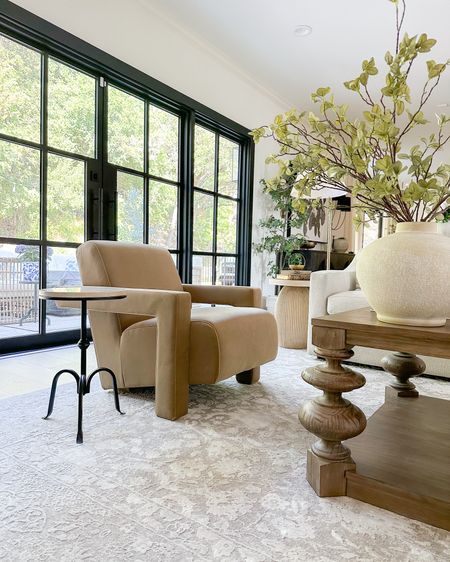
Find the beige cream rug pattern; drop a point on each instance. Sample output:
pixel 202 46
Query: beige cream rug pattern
pixel 226 482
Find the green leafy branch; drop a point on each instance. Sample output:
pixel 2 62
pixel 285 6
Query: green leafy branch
pixel 363 157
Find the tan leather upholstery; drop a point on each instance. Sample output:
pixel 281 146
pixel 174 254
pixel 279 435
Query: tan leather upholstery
pixel 155 338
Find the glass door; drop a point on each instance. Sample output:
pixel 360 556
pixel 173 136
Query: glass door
pixel 82 157
pixel 48 168
pixel 143 146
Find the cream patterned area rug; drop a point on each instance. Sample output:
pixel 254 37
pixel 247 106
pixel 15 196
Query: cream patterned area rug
pixel 226 482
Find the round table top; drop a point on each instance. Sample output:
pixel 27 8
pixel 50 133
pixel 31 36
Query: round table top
pixel 82 293
pixel 289 282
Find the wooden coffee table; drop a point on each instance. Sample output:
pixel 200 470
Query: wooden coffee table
pixel 401 462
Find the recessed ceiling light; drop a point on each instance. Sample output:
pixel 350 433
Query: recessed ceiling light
pixel 442 105
pixel 302 30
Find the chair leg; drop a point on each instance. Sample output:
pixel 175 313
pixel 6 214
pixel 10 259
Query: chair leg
pixel 248 377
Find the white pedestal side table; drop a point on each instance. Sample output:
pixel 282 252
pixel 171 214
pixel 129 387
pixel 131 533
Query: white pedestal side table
pixel 83 295
pixel 291 312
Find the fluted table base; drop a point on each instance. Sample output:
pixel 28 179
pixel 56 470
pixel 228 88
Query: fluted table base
pixel 291 313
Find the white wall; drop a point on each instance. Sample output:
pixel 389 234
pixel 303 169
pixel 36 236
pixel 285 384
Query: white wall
pixel 136 33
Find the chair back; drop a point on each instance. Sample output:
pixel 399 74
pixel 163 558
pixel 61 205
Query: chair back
pixel 120 264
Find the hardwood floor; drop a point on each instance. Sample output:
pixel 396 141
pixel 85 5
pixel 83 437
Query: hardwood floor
pixel 27 372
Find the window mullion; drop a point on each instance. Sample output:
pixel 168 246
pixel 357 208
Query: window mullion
pixel 146 178
pixel 43 189
pixel 245 194
pixel 216 207
pixel 100 137
pixel 186 196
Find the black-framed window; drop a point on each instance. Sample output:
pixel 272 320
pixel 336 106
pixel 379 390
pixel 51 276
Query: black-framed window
pixel 97 149
pixel 48 142
pixel 215 209
pixel 147 169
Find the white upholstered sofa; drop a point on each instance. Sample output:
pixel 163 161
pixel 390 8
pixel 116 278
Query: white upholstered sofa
pixel 336 291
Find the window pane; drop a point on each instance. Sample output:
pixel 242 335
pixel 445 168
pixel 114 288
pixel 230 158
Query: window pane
pixel 65 199
pixel 71 109
pixel 125 130
pixel 163 214
pixel 62 271
pixel 203 222
pixel 20 191
pixel 202 270
pixel 226 226
pixel 20 90
pixel 163 144
pixel 226 271
pixel 204 158
pixel 228 167
pixel 19 286
pixel 130 207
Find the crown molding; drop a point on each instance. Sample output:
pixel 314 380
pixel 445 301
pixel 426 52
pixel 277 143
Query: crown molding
pixel 218 54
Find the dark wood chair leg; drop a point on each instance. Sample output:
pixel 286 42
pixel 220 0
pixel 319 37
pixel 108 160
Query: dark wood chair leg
pixel 248 377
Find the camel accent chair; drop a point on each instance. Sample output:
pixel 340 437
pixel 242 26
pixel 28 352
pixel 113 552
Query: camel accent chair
pixel 154 337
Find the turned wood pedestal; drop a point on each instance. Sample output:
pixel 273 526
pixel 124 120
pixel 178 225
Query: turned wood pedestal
pixel 291 313
pixel 401 462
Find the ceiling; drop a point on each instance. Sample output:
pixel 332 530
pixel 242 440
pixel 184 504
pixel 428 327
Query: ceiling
pixel 257 37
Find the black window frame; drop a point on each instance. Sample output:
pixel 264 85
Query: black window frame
pixel 52 41
pixel 217 196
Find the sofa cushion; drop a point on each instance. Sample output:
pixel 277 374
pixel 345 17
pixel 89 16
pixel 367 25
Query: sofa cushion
pixel 347 300
pixel 225 340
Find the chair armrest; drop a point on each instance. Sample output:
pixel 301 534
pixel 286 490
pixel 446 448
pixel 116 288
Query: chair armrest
pixel 323 284
pixel 172 310
pixel 220 294
pixel 145 302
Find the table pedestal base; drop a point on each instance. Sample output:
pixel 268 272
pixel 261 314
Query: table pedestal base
pixel 291 313
pixel 83 387
pixel 327 478
pixel 403 366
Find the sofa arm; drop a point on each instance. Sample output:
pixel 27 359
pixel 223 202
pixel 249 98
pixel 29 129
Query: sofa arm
pixel 220 294
pixel 172 310
pixel 323 284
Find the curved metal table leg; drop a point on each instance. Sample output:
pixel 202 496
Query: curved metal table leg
pixel 114 381
pixel 83 382
pixel 53 390
pixel 81 393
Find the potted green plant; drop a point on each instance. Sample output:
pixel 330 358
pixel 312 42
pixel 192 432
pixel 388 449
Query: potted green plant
pixel 297 261
pixel 279 246
pixel 281 235
pixel 367 158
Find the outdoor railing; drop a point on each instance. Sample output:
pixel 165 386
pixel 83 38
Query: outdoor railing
pixel 17 297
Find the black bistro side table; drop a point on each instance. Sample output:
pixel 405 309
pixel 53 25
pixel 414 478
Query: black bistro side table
pixel 83 295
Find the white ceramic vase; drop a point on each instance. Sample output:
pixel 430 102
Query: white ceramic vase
pixel 406 276
pixel 340 244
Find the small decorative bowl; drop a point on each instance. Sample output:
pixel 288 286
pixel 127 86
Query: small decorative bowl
pixel 296 266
